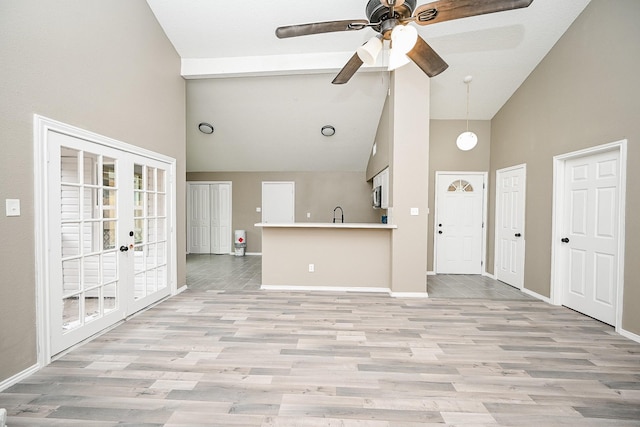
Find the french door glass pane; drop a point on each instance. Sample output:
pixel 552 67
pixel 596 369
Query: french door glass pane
pixel 89 228
pixel 69 162
pixel 70 313
pixel 70 239
pixel 109 297
pixel 70 207
pixel 71 276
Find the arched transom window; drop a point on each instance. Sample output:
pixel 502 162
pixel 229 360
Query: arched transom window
pixel 461 186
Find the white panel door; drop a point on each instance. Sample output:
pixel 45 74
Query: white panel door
pixel 108 229
pixel 510 239
pixel 589 239
pixel 199 219
pixel 221 218
pixel 459 216
pixel 223 221
pixel 278 202
pixel 209 213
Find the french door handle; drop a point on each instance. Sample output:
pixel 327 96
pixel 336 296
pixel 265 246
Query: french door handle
pixel 124 248
pixel 518 234
pixel 439 231
pixel 565 240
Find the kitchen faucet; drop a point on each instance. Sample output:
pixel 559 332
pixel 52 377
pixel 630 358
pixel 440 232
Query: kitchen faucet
pixel 341 214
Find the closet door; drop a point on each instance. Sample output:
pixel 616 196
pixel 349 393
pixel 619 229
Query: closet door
pixel 221 218
pixel 209 213
pixel 199 219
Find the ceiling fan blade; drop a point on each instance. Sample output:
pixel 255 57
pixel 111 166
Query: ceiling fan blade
pixel 447 10
pixel 426 58
pixel 348 70
pixel 320 27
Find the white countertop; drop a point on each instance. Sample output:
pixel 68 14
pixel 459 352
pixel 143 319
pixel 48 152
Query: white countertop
pixel 328 225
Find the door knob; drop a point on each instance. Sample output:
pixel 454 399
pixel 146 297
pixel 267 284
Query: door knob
pixel 565 240
pixel 439 231
pixel 518 234
pixel 124 248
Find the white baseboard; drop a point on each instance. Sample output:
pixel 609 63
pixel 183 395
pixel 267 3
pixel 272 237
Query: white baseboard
pixel 629 335
pixel 181 289
pixel 409 294
pixel 345 289
pixel 323 288
pixel 19 377
pixel 537 295
pixel 431 273
pixel 489 275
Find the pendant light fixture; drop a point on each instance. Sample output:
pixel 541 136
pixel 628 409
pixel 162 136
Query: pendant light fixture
pixel 467 140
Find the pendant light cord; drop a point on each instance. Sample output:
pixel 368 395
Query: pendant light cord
pixel 468 83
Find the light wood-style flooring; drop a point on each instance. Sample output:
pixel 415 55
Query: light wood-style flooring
pixel 225 353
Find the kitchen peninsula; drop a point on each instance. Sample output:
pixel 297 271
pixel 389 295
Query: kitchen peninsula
pixel 341 256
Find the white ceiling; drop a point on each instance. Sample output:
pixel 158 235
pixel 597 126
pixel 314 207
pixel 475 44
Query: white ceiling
pixel 233 53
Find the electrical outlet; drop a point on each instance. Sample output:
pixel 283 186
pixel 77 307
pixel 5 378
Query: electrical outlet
pixel 308 215
pixel 312 268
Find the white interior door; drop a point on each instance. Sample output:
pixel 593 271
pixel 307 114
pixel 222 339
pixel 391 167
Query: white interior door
pixel 459 223
pixel 278 202
pixel 209 213
pixel 108 231
pixel 510 215
pixel 220 218
pixel 199 219
pixel 589 235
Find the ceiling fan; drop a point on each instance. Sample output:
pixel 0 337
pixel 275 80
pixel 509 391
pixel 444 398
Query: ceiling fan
pixel 390 19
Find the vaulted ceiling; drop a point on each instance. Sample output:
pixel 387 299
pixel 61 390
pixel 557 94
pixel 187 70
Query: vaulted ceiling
pixel 268 98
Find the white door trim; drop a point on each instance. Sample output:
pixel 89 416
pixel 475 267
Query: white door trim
pixel 41 127
pixel 558 207
pixel 485 176
pixel 497 205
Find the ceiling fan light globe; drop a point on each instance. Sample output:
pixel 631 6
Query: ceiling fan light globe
pixel 397 59
pixel 404 38
pixel 369 51
pixel 467 140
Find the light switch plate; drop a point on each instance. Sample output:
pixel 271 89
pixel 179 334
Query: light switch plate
pixel 258 209
pixel 13 207
pixel 415 211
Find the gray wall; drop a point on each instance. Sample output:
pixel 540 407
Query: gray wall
pixel 104 66
pixel 584 93
pixel 444 155
pixel 381 159
pixel 316 192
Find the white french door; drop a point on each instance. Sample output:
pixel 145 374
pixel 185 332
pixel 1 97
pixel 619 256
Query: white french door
pixel 108 236
pixel 510 215
pixel 459 223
